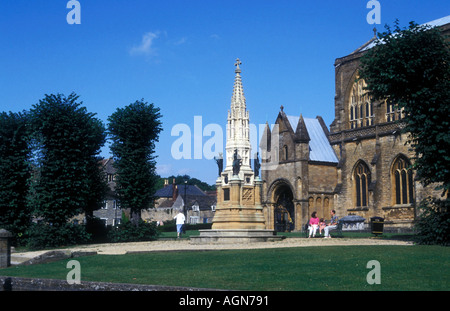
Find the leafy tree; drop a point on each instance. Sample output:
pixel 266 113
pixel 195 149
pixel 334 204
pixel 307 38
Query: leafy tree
pixel 433 225
pixel 133 131
pixel 410 68
pixel 15 169
pixel 69 140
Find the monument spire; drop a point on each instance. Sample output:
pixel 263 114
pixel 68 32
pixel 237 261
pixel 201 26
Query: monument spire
pixel 238 128
pixel 239 215
pixel 238 98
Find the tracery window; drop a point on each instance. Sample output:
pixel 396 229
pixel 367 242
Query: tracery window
pixel 403 182
pixel 362 182
pixel 393 114
pixel 361 107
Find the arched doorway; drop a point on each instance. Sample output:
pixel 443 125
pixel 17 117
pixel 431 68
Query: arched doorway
pixel 284 211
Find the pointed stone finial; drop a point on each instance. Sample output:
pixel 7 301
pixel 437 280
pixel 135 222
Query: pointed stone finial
pixel 375 32
pixel 237 63
pixel 281 108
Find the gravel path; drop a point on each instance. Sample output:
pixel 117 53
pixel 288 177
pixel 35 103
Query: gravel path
pixel 185 245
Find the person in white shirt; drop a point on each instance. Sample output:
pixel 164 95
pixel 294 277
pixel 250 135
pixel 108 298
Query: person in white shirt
pixel 180 222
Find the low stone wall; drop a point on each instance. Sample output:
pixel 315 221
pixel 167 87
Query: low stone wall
pixel 31 284
pixel 5 248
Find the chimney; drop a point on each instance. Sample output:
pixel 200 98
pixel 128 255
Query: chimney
pixel 166 182
pixel 174 190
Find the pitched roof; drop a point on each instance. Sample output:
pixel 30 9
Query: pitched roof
pixel 319 146
pixel 167 192
pixel 108 166
pixel 204 202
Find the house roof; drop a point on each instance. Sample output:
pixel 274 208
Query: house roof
pixel 319 146
pixel 108 166
pixel 167 191
pixel 203 201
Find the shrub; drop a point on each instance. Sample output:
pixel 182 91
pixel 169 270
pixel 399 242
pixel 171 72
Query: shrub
pixel 170 226
pixel 97 229
pixel 433 225
pixel 128 232
pixel 42 235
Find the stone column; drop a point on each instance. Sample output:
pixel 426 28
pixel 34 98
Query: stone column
pixel 235 192
pixel 5 248
pixel 258 191
pixel 219 191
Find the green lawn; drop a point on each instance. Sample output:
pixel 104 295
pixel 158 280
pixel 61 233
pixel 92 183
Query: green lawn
pixel 408 268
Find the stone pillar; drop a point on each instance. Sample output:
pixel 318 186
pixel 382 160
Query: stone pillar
pixel 219 192
pixel 235 192
pixel 258 191
pixel 5 248
pixel 269 213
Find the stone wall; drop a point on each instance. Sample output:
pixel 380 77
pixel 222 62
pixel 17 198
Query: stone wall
pixel 33 284
pixel 159 214
pixel 5 248
pixel 322 178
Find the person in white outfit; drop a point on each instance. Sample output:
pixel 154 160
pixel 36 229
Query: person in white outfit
pixel 180 222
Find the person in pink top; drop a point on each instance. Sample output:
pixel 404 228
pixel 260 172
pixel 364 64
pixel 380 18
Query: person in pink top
pixel 313 224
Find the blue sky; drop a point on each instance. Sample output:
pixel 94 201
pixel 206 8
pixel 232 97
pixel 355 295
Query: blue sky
pixel 180 56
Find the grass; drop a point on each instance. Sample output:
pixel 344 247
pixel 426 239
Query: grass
pixel 406 268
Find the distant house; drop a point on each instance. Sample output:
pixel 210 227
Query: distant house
pixel 170 199
pixel 110 212
pixel 200 206
pixel 200 209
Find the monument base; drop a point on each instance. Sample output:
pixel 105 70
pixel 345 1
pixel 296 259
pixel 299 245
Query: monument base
pixel 233 236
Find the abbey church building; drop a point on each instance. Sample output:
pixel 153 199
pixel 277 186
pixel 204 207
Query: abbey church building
pixel 360 166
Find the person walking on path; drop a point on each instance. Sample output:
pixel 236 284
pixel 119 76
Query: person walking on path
pixel 180 222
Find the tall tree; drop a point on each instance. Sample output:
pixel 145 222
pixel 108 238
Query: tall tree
pixel 133 131
pixel 15 170
pixel 70 139
pixel 410 68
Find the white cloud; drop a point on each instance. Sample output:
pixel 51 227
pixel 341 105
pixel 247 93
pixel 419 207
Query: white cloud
pixel 180 41
pixel 146 45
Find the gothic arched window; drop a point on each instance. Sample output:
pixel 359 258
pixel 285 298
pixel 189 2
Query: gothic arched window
pixel 403 182
pixel 362 182
pixel 361 107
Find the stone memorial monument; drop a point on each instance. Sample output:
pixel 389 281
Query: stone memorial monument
pixel 239 215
